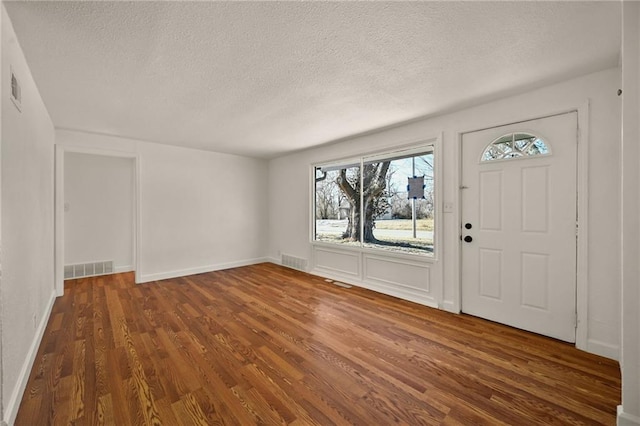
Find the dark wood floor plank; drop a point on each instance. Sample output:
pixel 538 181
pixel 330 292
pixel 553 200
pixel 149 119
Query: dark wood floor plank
pixel 269 345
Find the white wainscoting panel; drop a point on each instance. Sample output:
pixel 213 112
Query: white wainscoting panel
pixel 404 278
pixel 341 262
pixel 396 272
pixel 408 278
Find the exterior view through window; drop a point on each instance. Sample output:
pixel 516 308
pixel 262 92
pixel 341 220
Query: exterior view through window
pixel 383 202
pixel 515 145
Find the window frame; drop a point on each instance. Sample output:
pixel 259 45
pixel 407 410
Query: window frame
pixel 421 146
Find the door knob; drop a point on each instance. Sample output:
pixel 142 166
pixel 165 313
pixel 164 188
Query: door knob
pixel 468 225
pixel 468 238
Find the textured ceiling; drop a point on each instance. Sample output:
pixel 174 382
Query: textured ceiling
pixel 262 79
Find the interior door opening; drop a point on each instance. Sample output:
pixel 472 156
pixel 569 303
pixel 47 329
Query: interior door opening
pixel 96 214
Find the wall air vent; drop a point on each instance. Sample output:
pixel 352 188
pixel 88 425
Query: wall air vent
pixel 16 92
pixel 88 269
pixel 294 262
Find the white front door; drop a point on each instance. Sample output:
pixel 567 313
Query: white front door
pixel 519 225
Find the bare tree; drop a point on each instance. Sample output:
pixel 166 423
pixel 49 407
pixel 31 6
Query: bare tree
pixel 328 197
pixel 374 180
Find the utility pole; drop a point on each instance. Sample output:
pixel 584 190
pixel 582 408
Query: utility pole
pixel 413 200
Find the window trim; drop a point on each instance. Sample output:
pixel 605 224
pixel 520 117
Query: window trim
pixel 422 145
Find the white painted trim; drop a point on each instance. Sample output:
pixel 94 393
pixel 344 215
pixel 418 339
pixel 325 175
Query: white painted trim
pixel 2 409
pixel 337 247
pixel 359 277
pixel 626 419
pixel 606 350
pixel 200 270
pixel 399 152
pixel 455 304
pixel 58 233
pixel 629 411
pixel 312 207
pixel 137 219
pixel 97 151
pixel 377 287
pixel 11 410
pixel 124 268
pixel 438 214
pixel 352 252
pixel 520 119
pixel 582 243
pixel 433 262
pixel 450 306
pixel 337 164
pixel 398 259
pixel 394 287
pixel 582 248
pixel 60 150
pixel 457 301
pixel 392 147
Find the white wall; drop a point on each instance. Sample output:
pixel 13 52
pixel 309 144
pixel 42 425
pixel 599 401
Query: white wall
pixel 26 154
pixel 99 213
pixel 289 189
pixel 198 210
pixel 629 410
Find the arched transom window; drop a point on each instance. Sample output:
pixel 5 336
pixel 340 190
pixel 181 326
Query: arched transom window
pixel 515 145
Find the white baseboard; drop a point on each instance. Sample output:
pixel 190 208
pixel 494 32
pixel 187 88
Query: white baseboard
pixel 199 270
pixel 625 419
pixel 449 306
pixel 274 260
pixel 125 268
pixel 606 350
pixel 399 293
pixel 11 409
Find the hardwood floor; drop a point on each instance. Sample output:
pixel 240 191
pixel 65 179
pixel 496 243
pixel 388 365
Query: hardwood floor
pixel 268 345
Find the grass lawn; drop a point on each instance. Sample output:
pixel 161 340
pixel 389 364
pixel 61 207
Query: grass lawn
pixel 404 224
pixel 404 245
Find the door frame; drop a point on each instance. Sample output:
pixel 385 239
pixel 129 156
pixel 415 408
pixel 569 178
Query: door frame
pixel 582 219
pixel 60 151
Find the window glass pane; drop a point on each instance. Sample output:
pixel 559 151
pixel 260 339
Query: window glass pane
pixel 491 153
pixel 383 214
pixel 337 202
pixel 514 145
pixel 389 212
pixel 504 139
pixel 523 143
pixel 503 147
pixel 539 147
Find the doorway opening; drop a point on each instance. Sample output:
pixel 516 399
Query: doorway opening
pixel 96 213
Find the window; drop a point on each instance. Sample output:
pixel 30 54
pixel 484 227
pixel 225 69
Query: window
pixel 332 207
pixel 515 145
pixel 384 202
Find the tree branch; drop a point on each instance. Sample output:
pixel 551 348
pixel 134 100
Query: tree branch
pixel 377 179
pixel 345 186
